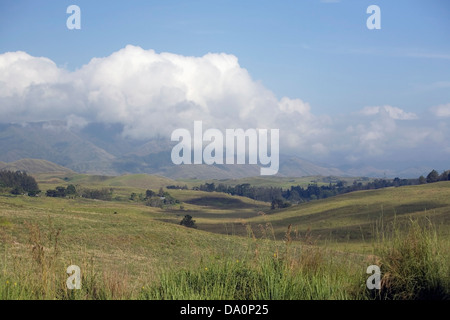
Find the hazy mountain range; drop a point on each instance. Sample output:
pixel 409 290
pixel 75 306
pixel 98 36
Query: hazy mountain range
pixel 101 149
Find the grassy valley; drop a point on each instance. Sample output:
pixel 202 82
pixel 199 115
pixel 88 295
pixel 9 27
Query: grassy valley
pixel 241 249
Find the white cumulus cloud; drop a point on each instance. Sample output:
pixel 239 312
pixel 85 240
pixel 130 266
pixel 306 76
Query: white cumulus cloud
pixel 151 94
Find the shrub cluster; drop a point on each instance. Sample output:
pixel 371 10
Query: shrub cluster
pixel 18 182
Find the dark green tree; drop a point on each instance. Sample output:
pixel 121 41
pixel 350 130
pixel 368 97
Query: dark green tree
pixel 61 191
pixel 71 190
pixel 188 222
pixel 422 180
pixel 18 181
pixel 149 194
pixel 433 176
pixel 445 176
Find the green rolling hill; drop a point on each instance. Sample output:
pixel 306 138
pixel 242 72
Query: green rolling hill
pixel 350 217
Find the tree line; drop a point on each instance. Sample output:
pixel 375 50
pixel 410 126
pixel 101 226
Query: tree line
pixel 434 176
pixel 150 198
pixel 72 191
pixel 281 198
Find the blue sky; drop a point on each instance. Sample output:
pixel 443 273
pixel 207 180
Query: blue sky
pixel 386 89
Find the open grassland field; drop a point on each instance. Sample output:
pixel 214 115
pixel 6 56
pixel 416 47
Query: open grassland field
pixel 354 217
pixel 241 248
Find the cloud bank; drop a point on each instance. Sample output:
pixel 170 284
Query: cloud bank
pixel 153 93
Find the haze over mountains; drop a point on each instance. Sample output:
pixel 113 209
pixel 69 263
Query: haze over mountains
pixel 101 149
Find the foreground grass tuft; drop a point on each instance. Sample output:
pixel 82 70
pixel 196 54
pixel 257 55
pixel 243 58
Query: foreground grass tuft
pixel 413 266
pixel 268 280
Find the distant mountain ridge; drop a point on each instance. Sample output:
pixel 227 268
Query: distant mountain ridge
pixel 101 149
pixel 34 166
